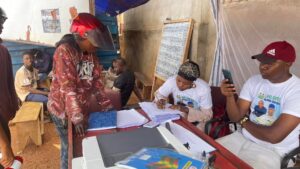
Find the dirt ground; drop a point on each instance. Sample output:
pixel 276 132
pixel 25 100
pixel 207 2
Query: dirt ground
pixel 46 156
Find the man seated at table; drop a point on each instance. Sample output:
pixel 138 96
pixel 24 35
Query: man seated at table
pixel 27 81
pixel 267 137
pixel 190 93
pixel 125 80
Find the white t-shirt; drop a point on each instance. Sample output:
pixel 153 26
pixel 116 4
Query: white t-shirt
pixel 268 102
pixel 24 78
pixel 197 98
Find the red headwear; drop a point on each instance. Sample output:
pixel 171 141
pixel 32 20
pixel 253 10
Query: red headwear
pixel 280 50
pixel 88 26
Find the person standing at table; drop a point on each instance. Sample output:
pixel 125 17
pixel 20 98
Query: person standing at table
pixel 191 95
pixel 76 77
pixel 8 100
pixel 266 137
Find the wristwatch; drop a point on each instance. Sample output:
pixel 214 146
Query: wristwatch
pixel 243 120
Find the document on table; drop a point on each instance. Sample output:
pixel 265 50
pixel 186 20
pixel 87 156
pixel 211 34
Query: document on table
pixel 160 115
pixel 196 144
pixel 130 118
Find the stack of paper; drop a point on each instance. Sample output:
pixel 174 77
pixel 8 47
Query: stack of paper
pixel 159 115
pixel 130 118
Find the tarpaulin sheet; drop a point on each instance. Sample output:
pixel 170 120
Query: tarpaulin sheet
pixel 115 7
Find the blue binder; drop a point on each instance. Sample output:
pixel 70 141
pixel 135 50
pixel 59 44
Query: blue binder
pixel 102 120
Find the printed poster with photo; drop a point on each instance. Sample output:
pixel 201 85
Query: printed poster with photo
pixel 51 21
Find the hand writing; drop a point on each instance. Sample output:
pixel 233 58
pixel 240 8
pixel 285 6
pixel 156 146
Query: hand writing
pixel 161 103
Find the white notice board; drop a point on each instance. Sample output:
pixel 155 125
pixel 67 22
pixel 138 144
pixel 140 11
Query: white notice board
pixel 173 49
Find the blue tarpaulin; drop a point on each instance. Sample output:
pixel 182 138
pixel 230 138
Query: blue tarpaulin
pixel 115 7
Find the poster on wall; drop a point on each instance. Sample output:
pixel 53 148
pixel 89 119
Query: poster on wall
pixel 50 20
pixel 43 22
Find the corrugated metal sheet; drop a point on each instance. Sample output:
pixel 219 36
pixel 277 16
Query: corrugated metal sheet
pixel 106 57
pixel 16 49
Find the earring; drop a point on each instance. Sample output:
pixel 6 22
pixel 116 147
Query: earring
pixel 193 85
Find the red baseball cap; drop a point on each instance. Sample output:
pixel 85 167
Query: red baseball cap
pixel 88 26
pixel 280 50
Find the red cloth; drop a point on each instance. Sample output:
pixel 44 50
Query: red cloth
pixel 76 76
pixel 8 97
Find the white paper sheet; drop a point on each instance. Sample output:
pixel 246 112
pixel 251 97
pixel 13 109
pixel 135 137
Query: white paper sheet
pixel 130 118
pixel 196 144
pixel 160 115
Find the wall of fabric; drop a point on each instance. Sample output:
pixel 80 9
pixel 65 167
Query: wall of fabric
pixel 244 28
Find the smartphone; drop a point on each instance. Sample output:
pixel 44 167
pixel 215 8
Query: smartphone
pixel 227 75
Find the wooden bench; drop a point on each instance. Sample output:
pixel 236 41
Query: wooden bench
pixel 29 124
pixel 143 85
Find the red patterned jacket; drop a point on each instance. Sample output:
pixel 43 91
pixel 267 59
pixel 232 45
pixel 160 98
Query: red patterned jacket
pixel 76 76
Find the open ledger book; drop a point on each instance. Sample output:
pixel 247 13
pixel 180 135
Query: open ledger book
pixel 113 119
pixel 160 115
pixel 130 118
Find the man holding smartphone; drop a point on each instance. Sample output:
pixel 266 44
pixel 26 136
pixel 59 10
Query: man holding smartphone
pixel 263 142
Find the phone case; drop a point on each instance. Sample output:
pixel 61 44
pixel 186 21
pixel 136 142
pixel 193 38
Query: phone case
pixel 227 75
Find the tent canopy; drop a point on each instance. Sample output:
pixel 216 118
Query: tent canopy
pixel 115 7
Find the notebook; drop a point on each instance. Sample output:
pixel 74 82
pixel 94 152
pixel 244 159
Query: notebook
pixel 160 115
pixel 130 118
pixel 102 120
pixel 157 158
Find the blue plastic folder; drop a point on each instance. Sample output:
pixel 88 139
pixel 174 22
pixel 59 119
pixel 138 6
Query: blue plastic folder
pixel 102 120
pixel 157 158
